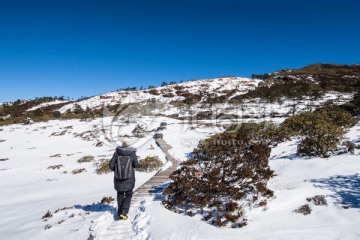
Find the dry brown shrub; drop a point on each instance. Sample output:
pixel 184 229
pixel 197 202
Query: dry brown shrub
pixel 47 215
pixel 55 155
pixel 318 200
pixel 78 171
pixel 304 209
pixel 55 167
pixel 107 200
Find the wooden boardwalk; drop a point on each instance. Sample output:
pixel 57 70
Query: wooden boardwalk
pixel 160 177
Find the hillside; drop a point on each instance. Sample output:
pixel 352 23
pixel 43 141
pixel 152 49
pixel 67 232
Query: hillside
pixel 310 86
pixel 30 155
pixel 288 119
pixel 313 80
pixel 188 93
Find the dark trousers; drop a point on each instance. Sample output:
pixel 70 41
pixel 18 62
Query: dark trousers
pixel 124 200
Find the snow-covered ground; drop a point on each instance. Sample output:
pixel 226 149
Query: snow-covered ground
pixel 29 189
pixel 169 101
pixel 169 93
pixel 45 104
pixel 338 178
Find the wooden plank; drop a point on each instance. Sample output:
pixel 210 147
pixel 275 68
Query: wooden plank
pixel 161 177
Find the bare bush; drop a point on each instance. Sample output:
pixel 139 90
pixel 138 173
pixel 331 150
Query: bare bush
pixel 107 200
pixel 154 92
pixel 47 215
pixel 48 226
pixel 304 209
pixel 78 171
pixel 55 155
pixel 55 167
pixel 88 135
pixel 87 158
pixel 318 200
pixel 62 209
pixel 350 147
pixel 56 134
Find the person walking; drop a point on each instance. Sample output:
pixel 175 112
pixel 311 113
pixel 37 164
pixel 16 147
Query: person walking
pixel 123 163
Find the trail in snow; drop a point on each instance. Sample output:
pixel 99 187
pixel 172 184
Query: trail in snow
pixel 136 227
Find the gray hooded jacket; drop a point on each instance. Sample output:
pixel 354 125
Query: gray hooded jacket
pixel 127 184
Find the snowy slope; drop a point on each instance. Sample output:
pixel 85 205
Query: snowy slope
pixel 29 189
pixel 46 104
pixel 166 94
pixel 338 178
pixel 167 101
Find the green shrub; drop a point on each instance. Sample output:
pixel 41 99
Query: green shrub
pixel 78 109
pixel 42 118
pixel 88 115
pixel 56 114
pixel 289 89
pixel 70 115
pixel 320 146
pixel 320 131
pixel 216 99
pixel 86 159
pixel 337 116
pixel 102 167
pixel 226 172
pixel 191 99
pixel 296 83
pixel 12 120
pixel 150 164
pixel 267 132
pixel 354 105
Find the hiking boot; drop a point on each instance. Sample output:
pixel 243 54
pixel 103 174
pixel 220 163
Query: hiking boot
pixel 123 216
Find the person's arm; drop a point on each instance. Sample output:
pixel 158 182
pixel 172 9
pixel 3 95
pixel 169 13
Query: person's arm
pixel 136 163
pixel 112 162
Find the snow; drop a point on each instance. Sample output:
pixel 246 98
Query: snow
pixel 297 178
pixel 45 104
pixel 145 102
pixel 215 85
pixel 186 138
pixel 29 189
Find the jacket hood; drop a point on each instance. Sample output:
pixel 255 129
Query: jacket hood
pixel 127 151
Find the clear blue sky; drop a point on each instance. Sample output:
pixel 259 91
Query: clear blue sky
pixel 84 47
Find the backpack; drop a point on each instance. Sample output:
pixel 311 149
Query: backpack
pixel 123 168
